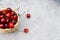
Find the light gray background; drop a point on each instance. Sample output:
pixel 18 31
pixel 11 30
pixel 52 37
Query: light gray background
pixel 44 23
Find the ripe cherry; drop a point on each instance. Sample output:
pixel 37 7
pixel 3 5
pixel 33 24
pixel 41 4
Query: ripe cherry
pixel 26 30
pixel 15 17
pixel 7 20
pixel 3 20
pixel 12 13
pixel 6 26
pixel 11 25
pixel 1 16
pixel 28 15
pixel 1 25
pixel 9 10
pixel 12 17
pixel 3 11
pixel 13 21
pixel 8 14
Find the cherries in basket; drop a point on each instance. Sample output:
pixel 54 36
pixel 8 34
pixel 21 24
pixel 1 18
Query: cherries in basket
pixel 8 18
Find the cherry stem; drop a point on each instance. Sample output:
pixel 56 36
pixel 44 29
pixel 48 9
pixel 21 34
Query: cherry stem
pixel 18 14
pixel 18 8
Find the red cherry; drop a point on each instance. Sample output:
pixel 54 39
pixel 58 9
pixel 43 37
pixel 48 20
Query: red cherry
pixel 11 25
pixel 15 16
pixel 13 21
pixel 26 30
pixel 9 10
pixel 3 20
pixel 7 20
pixel 1 25
pixel 1 16
pixel 8 14
pixel 3 11
pixel 28 15
pixel 12 13
pixel 6 26
pixel 12 17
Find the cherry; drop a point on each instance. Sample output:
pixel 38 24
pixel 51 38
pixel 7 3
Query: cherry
pixel 15 16
pixel 3 20
pixel 11 25
pixel 1 16
pixel 1 25
pixel 26 30
pixel 12 13
pixel 9 10
pixel 6 26
pixel 12 17
pixel 13 21
pixel 8 14
pixel 3 11
pixel 7 20
pixel 28 15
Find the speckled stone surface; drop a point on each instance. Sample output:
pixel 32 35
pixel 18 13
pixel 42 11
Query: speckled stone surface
pixel 44 23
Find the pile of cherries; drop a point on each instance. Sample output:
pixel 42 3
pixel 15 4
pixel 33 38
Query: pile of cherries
pixel 8 18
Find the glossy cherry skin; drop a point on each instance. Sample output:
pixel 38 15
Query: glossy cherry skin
pixel 6 26
pixel 7 20
pixel 28 15
pixel 3 20
pixel 26 30
pixel 8 14
pixel 1 26
pixel 11 25
pixel 15 17
pixel 1 16
pixel 3 11
pixel 12 13
pixel 12 17
pixel 9 10
pixel 13 21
